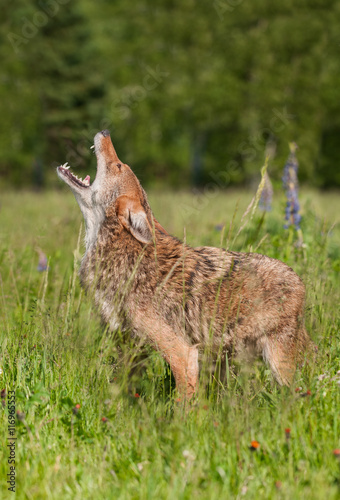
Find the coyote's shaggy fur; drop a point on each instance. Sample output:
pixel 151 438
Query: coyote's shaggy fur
pixel 182 300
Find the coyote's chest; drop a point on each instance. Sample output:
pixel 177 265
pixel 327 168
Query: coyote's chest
pixel 106 297
pixel 108 278
pixel 111 312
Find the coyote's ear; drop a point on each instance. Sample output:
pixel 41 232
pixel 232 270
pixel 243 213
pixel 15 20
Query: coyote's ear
pixel 133 217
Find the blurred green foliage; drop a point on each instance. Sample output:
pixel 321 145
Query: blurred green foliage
pixel 191 91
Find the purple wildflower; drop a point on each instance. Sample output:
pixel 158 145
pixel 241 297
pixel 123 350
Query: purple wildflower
pixel 266 195
pixel 290 183
pixel 42 265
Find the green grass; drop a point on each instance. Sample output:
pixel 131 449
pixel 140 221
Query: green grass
pixel 56 354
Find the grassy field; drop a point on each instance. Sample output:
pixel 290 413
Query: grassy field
pixel 131 438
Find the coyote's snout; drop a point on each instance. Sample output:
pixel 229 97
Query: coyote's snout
pixel 183 300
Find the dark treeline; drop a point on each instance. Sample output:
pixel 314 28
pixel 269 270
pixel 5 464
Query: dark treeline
pixel 191 91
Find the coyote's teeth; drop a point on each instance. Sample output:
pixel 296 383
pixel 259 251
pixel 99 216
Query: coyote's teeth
pixel 92 146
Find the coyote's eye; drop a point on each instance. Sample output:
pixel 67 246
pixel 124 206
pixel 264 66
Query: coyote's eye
pixel 119 166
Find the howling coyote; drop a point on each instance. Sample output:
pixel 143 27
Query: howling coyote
pixel 184 301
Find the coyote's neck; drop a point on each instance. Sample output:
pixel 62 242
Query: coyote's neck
pixel 94 219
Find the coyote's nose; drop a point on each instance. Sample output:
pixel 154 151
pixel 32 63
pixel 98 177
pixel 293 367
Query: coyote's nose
pixel 105 147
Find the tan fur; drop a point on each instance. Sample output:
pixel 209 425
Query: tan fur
pixel 184 301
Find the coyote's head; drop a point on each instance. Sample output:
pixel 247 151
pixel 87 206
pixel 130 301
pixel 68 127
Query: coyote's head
pixel 115 193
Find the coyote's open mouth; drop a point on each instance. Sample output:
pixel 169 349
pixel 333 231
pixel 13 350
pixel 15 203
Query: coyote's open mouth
pixel 65 171
pixel 108 167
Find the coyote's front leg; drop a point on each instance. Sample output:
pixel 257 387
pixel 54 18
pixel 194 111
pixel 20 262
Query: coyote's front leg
pixel 182 358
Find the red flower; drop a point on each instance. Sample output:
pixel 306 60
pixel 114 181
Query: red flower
pixel 137 395
pixel 254 445
pixel 336 453
pixel 104 419
pixel 287 432
pixel 76 409
pixel 20 415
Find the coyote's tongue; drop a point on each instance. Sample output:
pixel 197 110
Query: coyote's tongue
pixel 87 179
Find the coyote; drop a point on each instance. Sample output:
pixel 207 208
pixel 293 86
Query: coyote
pixel 181 300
